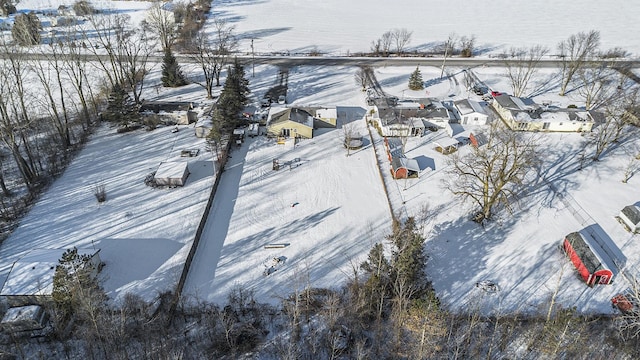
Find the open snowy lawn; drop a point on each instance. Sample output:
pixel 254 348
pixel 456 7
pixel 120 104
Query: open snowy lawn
pixel 143 234
pixel 325 208
pixel 341 27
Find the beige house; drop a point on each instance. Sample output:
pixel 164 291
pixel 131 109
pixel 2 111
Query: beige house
pixel 290 122
pixel 523 114
pixel 326 116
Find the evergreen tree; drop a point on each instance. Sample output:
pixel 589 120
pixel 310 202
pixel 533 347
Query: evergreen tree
pixel 75 282
pixel 121 108
pixel 234 95
pixel 172 75
pixel 26 29
pixel 415 80
pixel 408 258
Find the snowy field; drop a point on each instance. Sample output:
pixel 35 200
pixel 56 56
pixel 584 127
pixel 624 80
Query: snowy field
pixel 328 209
pixel 143 234
pixel 338 27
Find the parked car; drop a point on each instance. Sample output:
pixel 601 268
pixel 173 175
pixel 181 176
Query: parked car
pixel 265 103
pixel 282 100
pixel 479 90
pixel 495 93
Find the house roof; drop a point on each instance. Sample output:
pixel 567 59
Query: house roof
pixel 586 254
pixel 32 274
pixel 327 112
pixel 414 111
pixel 554 115
pixel 166 106
pixel 515 103
pixel 291 114
pixel 632 212
pixel 466 107
pixel 395 146
pixel 403 162
pixel 172 170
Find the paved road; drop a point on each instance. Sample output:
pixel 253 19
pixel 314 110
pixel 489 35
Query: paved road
pixel 290 61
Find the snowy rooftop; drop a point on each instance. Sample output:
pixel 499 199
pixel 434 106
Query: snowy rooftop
pixel 33 273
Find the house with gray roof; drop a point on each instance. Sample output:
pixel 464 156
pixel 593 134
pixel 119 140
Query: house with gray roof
pixel 523 114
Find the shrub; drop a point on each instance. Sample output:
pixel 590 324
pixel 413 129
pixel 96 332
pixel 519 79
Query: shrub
pixel 100 192
pixel 83 7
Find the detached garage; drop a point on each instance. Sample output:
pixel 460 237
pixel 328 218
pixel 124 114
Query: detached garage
pixel 585 258
pixel 172 173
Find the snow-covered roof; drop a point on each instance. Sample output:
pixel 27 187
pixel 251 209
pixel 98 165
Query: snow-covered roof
pixel 172 169
pixel 632 212
pixel 33 273
pixel 467 106
pixel 290 114
pixel 327 112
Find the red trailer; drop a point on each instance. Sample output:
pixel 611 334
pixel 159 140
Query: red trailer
pixel 585 257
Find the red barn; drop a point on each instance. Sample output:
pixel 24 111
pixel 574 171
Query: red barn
pixel 586 259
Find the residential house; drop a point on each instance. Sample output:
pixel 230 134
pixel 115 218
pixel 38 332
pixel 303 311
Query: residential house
pixel 523 114
pixel 471 112
pixel 30 280
pixel 411 117
pixel 290 122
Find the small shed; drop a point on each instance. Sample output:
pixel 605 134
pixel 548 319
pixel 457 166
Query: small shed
pixel 172 173
pixel 630 216
pixel 403 168
pixel 586 258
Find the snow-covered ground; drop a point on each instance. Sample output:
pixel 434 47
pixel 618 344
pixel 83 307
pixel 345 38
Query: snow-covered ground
pixel 340 27
pixel 143 234
pixel 329 208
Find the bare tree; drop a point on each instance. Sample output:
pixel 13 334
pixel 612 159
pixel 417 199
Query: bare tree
pixel 348 135
pixel 212 52
pixel 382 45
pixel 448 50
pixel 401 38
pixel 162 22
pixel 607 131
pixel 598 85
pixel 107 32
pixel 361 78
pixel 521 66
pixel 467 45
pixel 574 53
pixel 630 167
pixel 52 79
pixel 494 173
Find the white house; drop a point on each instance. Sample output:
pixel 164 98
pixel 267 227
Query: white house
pixel 630 216
pixel 523 114
pixel 471 112
pixel 411 117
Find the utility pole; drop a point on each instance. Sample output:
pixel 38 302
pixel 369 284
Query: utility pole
pixel 253 61
pixel 446 49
